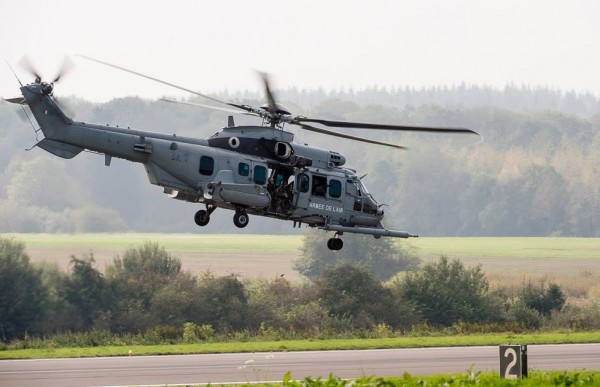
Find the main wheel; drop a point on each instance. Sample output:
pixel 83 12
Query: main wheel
pixel 330 243
pixel 241 219
pixel 335 244
pixel 202 218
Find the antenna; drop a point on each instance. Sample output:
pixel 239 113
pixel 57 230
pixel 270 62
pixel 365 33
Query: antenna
pixel 15 74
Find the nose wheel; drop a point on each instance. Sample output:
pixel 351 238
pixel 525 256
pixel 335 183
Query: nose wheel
pixel 335 243
pixel 241 219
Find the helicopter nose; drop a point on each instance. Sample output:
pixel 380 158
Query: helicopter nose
pixel 380 212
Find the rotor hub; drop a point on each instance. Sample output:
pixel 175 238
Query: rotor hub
pixel 279 109
pixel 47 88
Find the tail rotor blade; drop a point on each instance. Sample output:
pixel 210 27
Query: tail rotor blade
pixel 65 68
pixel 26 64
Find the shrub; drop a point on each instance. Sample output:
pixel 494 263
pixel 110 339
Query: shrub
pixel 446 292
pixel 525 316
pixel 190 332
pixel 543 299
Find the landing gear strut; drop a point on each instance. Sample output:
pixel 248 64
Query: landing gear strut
pixel 240 219
pixel 202 217
pixel 335 243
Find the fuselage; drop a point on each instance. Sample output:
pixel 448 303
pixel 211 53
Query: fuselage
pixel 257 169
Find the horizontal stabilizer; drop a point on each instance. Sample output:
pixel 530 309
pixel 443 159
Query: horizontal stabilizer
pixel 60 149
pixel 17 100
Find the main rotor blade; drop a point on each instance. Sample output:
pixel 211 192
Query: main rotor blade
pixel 206 106
pixel 270 97
pixel 246 108
pixel 336 134
pixel 359 125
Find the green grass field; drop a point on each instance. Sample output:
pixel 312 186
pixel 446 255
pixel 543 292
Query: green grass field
pixel 267 256
pixel 560 248
pixel 217 243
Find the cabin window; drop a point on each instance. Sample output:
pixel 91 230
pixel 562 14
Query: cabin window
pixel 278 178
pixel 335 188
pixel 207 165
pixel 319 185
pixel 302 182
pixel 243 169
pixel 260 175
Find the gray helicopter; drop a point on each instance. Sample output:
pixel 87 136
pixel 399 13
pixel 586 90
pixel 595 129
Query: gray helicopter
pixel 252 170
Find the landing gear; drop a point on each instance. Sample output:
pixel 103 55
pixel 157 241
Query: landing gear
pixel 241 219
pixel 202 217
pixel 335 243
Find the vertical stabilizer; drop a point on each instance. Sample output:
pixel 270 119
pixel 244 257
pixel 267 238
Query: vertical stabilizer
pixel 49 116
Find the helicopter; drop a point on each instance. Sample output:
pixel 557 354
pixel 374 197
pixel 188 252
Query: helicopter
pixel 252 170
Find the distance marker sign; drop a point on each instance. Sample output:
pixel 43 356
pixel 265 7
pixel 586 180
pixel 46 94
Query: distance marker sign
pixel 513 361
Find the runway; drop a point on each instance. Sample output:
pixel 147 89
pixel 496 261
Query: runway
pixel 252 367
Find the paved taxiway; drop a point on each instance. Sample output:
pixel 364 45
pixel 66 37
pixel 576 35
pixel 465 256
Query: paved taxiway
pixel 251 367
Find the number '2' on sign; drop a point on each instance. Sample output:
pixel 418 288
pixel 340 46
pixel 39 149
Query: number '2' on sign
pixel 513 361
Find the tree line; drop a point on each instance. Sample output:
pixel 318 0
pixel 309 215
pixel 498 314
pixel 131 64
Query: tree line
pixel 146 294
pixel 534 172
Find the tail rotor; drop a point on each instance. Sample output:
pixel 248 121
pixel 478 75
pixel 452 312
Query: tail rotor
pixel 47 87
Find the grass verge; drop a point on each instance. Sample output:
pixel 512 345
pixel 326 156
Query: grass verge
pixel 306 345
pixel 471 378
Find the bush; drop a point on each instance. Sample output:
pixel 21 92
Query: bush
pixel 193 333
pixel 350 291
pixel 308 318
pixel 446 292
pixel 525 316
pixel 543 299
pixel 22 294
pixel 225 303
pixel 577 317
pixel 190 334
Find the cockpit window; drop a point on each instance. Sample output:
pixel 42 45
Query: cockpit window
pixel 362 188
pixel 369 208
pixel 352 188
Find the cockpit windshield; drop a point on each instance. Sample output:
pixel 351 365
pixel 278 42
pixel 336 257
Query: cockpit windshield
pixel 363 201
pixel 363 189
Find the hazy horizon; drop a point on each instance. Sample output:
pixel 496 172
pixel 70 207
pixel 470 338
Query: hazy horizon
pixel 212 47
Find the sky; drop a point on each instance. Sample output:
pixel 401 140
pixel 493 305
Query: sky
pixel 308 44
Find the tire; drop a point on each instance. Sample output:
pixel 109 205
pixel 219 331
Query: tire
pixel 330 244
pixel 337 244
pixel 241 219
pixel 201 218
